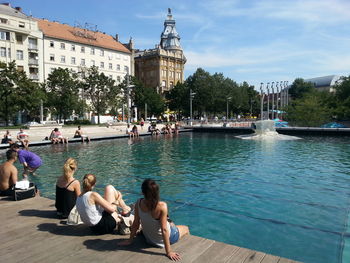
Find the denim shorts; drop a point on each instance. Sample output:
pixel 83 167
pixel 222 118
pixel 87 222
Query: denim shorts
pixel 174 234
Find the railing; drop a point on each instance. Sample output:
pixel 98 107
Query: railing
pixel 34 76
pixel 33 61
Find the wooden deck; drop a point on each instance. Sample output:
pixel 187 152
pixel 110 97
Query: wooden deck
pixel 31 232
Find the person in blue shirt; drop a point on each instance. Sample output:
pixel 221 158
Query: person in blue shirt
pixel 31 161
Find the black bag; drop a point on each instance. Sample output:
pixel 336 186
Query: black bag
pixel 21 194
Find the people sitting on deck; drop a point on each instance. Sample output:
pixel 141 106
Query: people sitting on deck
pixel 167 129
pixel 79 133
pixel 177 127
pixel 57 137
pixel 67 189
pixel 153 129
pixel 23 138
pixel 129 131
pixel 8 174
pixel 152 214
pixel 135 131
pixel 31 161
pixel 7 138
pixel 100 213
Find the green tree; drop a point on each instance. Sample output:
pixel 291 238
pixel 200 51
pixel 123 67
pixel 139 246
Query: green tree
pixel 62 92
pixel 100 89
pixel 178 99
pixel 299 88
pixel 341 103
pixel 309 111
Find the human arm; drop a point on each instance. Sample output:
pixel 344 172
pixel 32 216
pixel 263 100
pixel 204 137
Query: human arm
pixel 165 232
pixel 99 200
pixel 77 188
pixel 14 176
pixel 135 226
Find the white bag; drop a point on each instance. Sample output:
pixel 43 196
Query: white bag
pixel 74 217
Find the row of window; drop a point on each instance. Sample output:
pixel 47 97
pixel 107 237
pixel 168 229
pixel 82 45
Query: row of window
pixel 171 74
pixel 6 21
pixel 118 78
pixel 83 62
pixel 92 50
pixel 170 64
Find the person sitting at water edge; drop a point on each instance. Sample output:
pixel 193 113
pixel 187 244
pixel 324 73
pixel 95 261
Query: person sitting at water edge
pixel 153 216
pixel 31 161
pixel 57 137
pixel 79 133
pixel 100 213
pixel 8 174
pixel 135 131
pixel 67 189
pixel 7 138
pixel 23 138
pixel 129 131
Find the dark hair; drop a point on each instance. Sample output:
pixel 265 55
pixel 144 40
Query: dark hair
pixel 14 146
pixel 150 190
pixel 11 154
pixel 56 129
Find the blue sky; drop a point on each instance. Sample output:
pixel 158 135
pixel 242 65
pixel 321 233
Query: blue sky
pixel 246 40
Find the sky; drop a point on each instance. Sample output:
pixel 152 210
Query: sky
pixel 246 40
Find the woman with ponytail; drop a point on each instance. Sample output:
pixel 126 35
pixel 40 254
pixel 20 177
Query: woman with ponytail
pixel 67 189
pixel 100 213
pixel 153 216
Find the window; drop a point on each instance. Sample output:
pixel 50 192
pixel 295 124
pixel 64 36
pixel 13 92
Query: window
pixel 33 43
pixel 20 68
pixel 19 54
pixel 52 57
pixel 52 44
pixel 118 67
pixel 82 49
pixel 92 51
pixel 102 64
pixel 72 48
pixel 72 60
pixel 19 39
pixel 110 56
pixel 63 59
pixel 82 62
pixel 110 76
pixel 118 78
pixel 102 52
pixel 126 69
pixel 9 52
pixel 4 35
pixel 110 66
pixel 63 46
pixel 21 24
pixel 3 52
pixel 3 21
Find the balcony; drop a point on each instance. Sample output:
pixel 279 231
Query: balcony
pixel 33 76
pixel 33 62
pixel 33 48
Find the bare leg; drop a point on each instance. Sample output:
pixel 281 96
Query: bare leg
pixel 183 230
pixel 114 196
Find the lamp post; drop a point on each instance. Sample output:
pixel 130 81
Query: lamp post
pixel 191 99
pixel 268 100
pixel 261 101
pixel 277 100
pixel 287 95
pixel 273 100
pixel 227 100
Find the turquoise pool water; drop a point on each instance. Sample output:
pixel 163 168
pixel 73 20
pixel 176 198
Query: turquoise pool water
pixel 287 198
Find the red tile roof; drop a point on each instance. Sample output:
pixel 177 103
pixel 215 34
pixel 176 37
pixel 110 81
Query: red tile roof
pixel 79 35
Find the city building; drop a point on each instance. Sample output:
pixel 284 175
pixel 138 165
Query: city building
pixel 21 41
pixel 325 83
pixel 163 66
pixel 77 47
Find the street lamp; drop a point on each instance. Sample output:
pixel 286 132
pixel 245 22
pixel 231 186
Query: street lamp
pixel 277 99
pixel 191 98
pixel 261 101
pixel 273 100
pixel 268 100
pixel 227 100
pixel 128 86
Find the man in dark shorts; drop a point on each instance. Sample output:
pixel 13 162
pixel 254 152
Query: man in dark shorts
pixel 8 174
pixel 30 160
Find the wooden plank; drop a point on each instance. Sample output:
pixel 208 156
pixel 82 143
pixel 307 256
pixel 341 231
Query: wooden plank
pixel 270 259
pixel 243 255
pixel 218 252
pixel 286 260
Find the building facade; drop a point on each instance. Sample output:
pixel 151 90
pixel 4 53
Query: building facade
pixel 22 41
pixel 162 67
pixel 77 48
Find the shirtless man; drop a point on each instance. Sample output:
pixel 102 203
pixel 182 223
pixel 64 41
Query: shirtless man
pixel 8 174
pixel 80 134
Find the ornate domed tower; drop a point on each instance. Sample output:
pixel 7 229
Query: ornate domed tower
pixel 162 67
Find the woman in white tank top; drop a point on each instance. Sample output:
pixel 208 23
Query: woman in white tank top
pixel 152 214
pixel 100 213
